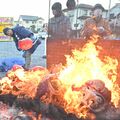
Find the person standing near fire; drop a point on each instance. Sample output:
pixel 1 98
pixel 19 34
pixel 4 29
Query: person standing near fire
pixel 19 33
pixel 59 26
pixel 96 24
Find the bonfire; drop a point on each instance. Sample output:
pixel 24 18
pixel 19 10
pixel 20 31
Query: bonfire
pixel 85 87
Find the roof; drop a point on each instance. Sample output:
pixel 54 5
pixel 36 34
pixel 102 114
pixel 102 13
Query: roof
pixel 83 17
pixel 85 6
pixel 30 18
pixel 116 5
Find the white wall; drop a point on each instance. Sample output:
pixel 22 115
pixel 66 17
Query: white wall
pixel 38 24
pixel 115 11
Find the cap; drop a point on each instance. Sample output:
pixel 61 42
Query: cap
pixel 98 6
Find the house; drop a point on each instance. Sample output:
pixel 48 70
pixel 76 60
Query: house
pixel 79 14
pixel 33 23
pixel 114 10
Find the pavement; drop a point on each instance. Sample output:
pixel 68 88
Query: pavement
pixel 8 49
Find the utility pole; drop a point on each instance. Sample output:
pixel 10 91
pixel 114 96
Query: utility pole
pixel 49 14
pixel 45 52
pixel 49 9
pixel 77 19
pixel 109 9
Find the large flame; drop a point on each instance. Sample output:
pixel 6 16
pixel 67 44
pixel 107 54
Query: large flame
pixel 20 82
pixel 86 65
pixel 65 86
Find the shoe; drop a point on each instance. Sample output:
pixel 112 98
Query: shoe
pixel 44 56
pixel 35 45
pixel 26 69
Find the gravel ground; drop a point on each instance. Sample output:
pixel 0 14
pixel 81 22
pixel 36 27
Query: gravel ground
pixel 8 49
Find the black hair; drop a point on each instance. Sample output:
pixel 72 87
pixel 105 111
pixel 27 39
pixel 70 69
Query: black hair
pixel 57 6
pixel 5 30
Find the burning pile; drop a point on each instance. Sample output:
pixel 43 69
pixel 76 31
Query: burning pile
pixel 84 87
pixel 20 82
pixel 12 113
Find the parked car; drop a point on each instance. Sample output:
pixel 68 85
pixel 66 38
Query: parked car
pixel 43 34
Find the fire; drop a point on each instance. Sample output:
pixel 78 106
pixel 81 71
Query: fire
pixel 20 82
pixel 11 113
pixel 85 65
pixel 83 85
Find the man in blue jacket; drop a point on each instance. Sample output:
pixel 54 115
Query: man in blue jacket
pixel 19 33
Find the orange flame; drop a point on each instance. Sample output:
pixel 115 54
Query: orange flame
pixel 86 65
pixel 20 82
pixel 65 89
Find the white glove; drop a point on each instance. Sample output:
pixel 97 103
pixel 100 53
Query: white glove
pixel 101 29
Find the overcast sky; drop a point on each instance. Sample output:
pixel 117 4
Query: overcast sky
pixel 14 8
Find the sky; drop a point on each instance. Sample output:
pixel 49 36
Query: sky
pixel 14 8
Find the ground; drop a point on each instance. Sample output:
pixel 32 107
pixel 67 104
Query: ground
pixel 8 49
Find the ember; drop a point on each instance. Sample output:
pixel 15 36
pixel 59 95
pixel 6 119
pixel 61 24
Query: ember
pixel 12 113
pixel 84 88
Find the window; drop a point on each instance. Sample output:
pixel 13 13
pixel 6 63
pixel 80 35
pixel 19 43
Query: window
pixel 85 12
pixel 27 21
pixel 33 22
pixel 40 22
pixel 112 16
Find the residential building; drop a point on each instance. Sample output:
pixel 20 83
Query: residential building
pixel 33 23
pixel 114 10
pixel 79 14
